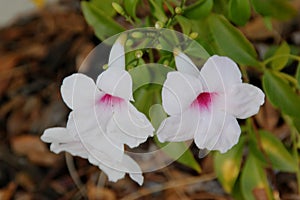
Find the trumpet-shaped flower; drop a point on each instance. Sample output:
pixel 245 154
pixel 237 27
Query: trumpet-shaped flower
pixel 203 105
pixel 102 119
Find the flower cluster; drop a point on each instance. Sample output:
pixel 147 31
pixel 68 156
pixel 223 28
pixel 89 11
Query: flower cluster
pixel 102 119
pixel 202 105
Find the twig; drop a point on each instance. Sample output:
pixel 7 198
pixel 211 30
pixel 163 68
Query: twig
pixel 74 174
pixel 171 184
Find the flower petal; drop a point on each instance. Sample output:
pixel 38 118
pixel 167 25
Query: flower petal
pixel 112 168
pixel 185 65
pixel 116 83
pixel 74 148
pixel 133 169
pixel 217 131
pixel 87 130
pixel 179 91
pixel 116 169
pixel 63 140
pixel 219 73
pixel 244 100
pixel 57 135
pixel 112 174
pixel 117 55
pixel 179 127
pixel 79 91
pixel 129 126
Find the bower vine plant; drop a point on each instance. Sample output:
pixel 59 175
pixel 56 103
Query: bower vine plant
pixel 181 72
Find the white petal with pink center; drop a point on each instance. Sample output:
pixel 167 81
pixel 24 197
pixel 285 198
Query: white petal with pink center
pixel 203 105
pixel 102 119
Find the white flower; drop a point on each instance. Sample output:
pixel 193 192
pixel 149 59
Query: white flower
pixel 102 119
pixel 204 105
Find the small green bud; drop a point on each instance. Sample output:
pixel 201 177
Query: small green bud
pixel 130 67
pixel 137 35
pixel 118 8
pixel 138 54
pixel 158 47
pixel 166 63
pixel 178 10
pixel 159 25
pixel 193 35
pixel 105 66
pixel 129 42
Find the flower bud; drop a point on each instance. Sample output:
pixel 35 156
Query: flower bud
pixel 118 8
pixel 138 54
pixel 178 10
pixel 137 35
pixel 158 47
pixel 193 35
pixel 159 25
pixel 105 66
pixel 166 63
pixel 129 42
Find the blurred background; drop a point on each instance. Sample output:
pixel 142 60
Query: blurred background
pixel 41 42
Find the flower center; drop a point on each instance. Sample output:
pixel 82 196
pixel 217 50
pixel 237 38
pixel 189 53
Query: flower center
pixel 110 100
pixel 203 100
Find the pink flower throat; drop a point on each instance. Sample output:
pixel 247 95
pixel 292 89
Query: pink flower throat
pixel 203 100
pixel 110 100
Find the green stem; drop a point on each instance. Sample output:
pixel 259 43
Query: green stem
pixel 244 74
pixel 151 56
pixel 128 18
pixel 281 56
pixel 290 78
pixel 294 137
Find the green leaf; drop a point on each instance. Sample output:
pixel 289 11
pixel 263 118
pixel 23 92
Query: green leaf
pixel 280 158
pixel 198 10
pixel 218 36
pixel 227 166
pixel 239 11
pixel 281 94
pixel 104 26
pixel 296 122
pixel 180 152
pixel 130 7
pixel 298 74
pixel 254 179
pixel 282 52
pixel 157 115
pixel 221 7
pixel 105 6
pixel 196 50
pixel 158 11
pixel 279 9
pixel 185 24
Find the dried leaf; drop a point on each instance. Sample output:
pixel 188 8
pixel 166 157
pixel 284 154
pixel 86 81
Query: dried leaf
pixel 99 193
pixel 25 181
pixel 7 192
pixel 36 151
pixel 268 116
pixel 260 194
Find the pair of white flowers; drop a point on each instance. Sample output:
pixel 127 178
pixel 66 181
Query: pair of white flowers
pixel 201 105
